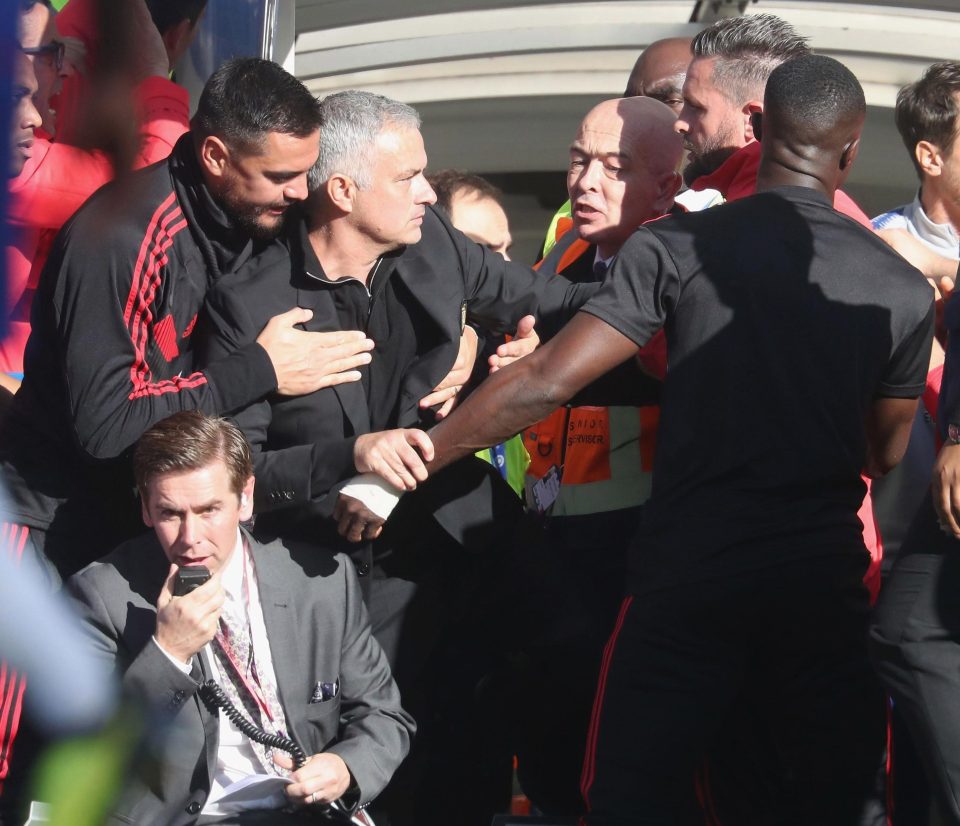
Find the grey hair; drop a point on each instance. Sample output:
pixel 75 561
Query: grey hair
pixel 747 49
pixel 349 125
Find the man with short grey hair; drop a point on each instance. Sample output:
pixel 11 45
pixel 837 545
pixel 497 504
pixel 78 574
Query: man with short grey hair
pixel 373 254
pixel 351 122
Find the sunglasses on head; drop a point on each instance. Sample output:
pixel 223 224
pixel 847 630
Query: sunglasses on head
pixel 54 49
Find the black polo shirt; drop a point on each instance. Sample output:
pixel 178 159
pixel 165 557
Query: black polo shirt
pixel 784 321
pixel 386 311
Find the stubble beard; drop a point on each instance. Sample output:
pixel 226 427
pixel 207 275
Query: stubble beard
pixel 248 219
pixel 710 157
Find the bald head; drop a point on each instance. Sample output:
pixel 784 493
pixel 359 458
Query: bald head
pixel 660 70
pixel 622 171
pixel 813 114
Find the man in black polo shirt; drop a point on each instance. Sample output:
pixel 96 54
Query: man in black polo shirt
pixel 797 348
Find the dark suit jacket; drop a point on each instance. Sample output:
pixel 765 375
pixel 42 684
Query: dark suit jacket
pixel 318 631
pixel 304 446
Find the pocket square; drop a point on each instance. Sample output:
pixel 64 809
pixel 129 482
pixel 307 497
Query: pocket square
pixel 325 691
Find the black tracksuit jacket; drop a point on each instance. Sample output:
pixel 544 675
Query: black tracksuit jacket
pixel 111 353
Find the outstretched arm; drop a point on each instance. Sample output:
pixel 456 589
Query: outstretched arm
pixel 508 401
pixel 527 390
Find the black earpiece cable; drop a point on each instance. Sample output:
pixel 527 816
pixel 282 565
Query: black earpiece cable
pixel 214 699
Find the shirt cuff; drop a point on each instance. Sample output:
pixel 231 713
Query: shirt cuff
pixel 377 495
pixel 185 668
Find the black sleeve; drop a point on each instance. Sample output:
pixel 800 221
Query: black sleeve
pixel 102 304
pixel 289 476
pixel 626 385
pixel 499 292
pixel 640 290
pixel 906 372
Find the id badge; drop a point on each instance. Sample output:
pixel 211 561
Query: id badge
pixel 545 490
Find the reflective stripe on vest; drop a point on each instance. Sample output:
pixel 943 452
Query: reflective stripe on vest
pixel 606 455
pixel 562 221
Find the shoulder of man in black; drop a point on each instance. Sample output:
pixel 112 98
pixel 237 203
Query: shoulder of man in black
pixel 795 234
pixel 438 238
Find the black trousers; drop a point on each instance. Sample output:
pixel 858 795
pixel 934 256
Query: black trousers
pixel 570 574
pixel 915 646
pixel 437 627
pixel 788 643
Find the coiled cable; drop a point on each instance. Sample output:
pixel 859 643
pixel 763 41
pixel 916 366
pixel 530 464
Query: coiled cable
pixel 214 699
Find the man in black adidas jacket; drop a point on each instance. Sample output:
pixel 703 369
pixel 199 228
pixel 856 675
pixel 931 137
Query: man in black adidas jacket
pixel 111 349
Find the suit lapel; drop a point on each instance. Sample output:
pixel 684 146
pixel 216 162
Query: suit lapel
pixel 440 298
pixel 278 617
pixel 211 722
pixel 354 403
pixel 443 300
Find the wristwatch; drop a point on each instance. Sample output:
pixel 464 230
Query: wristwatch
pixel 953 434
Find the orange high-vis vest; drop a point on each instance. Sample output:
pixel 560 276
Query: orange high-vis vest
pixel 605 453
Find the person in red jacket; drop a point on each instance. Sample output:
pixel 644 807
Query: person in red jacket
pixel 176 20
pixel 44 196
pixel 723 91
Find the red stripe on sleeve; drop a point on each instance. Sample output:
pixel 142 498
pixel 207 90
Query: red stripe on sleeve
pixel 590 758
pixel 144 246
pixel 164 225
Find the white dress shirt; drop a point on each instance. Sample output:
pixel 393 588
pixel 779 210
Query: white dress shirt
pixel 236 759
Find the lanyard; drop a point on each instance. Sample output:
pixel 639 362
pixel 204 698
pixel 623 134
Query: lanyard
pixel 253 687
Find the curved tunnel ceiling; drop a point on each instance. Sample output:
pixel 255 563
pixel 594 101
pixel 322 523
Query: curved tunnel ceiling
pixel 502 85
pixel 461 50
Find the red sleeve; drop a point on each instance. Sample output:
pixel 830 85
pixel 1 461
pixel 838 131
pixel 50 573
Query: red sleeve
pixel 164 109
pixel 844 204
pixel 653 356
pixel 873 541
pixel 79 19
pixel 45 194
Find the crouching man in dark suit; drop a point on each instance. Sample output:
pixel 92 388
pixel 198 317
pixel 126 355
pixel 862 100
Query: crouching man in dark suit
pixel 281 629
